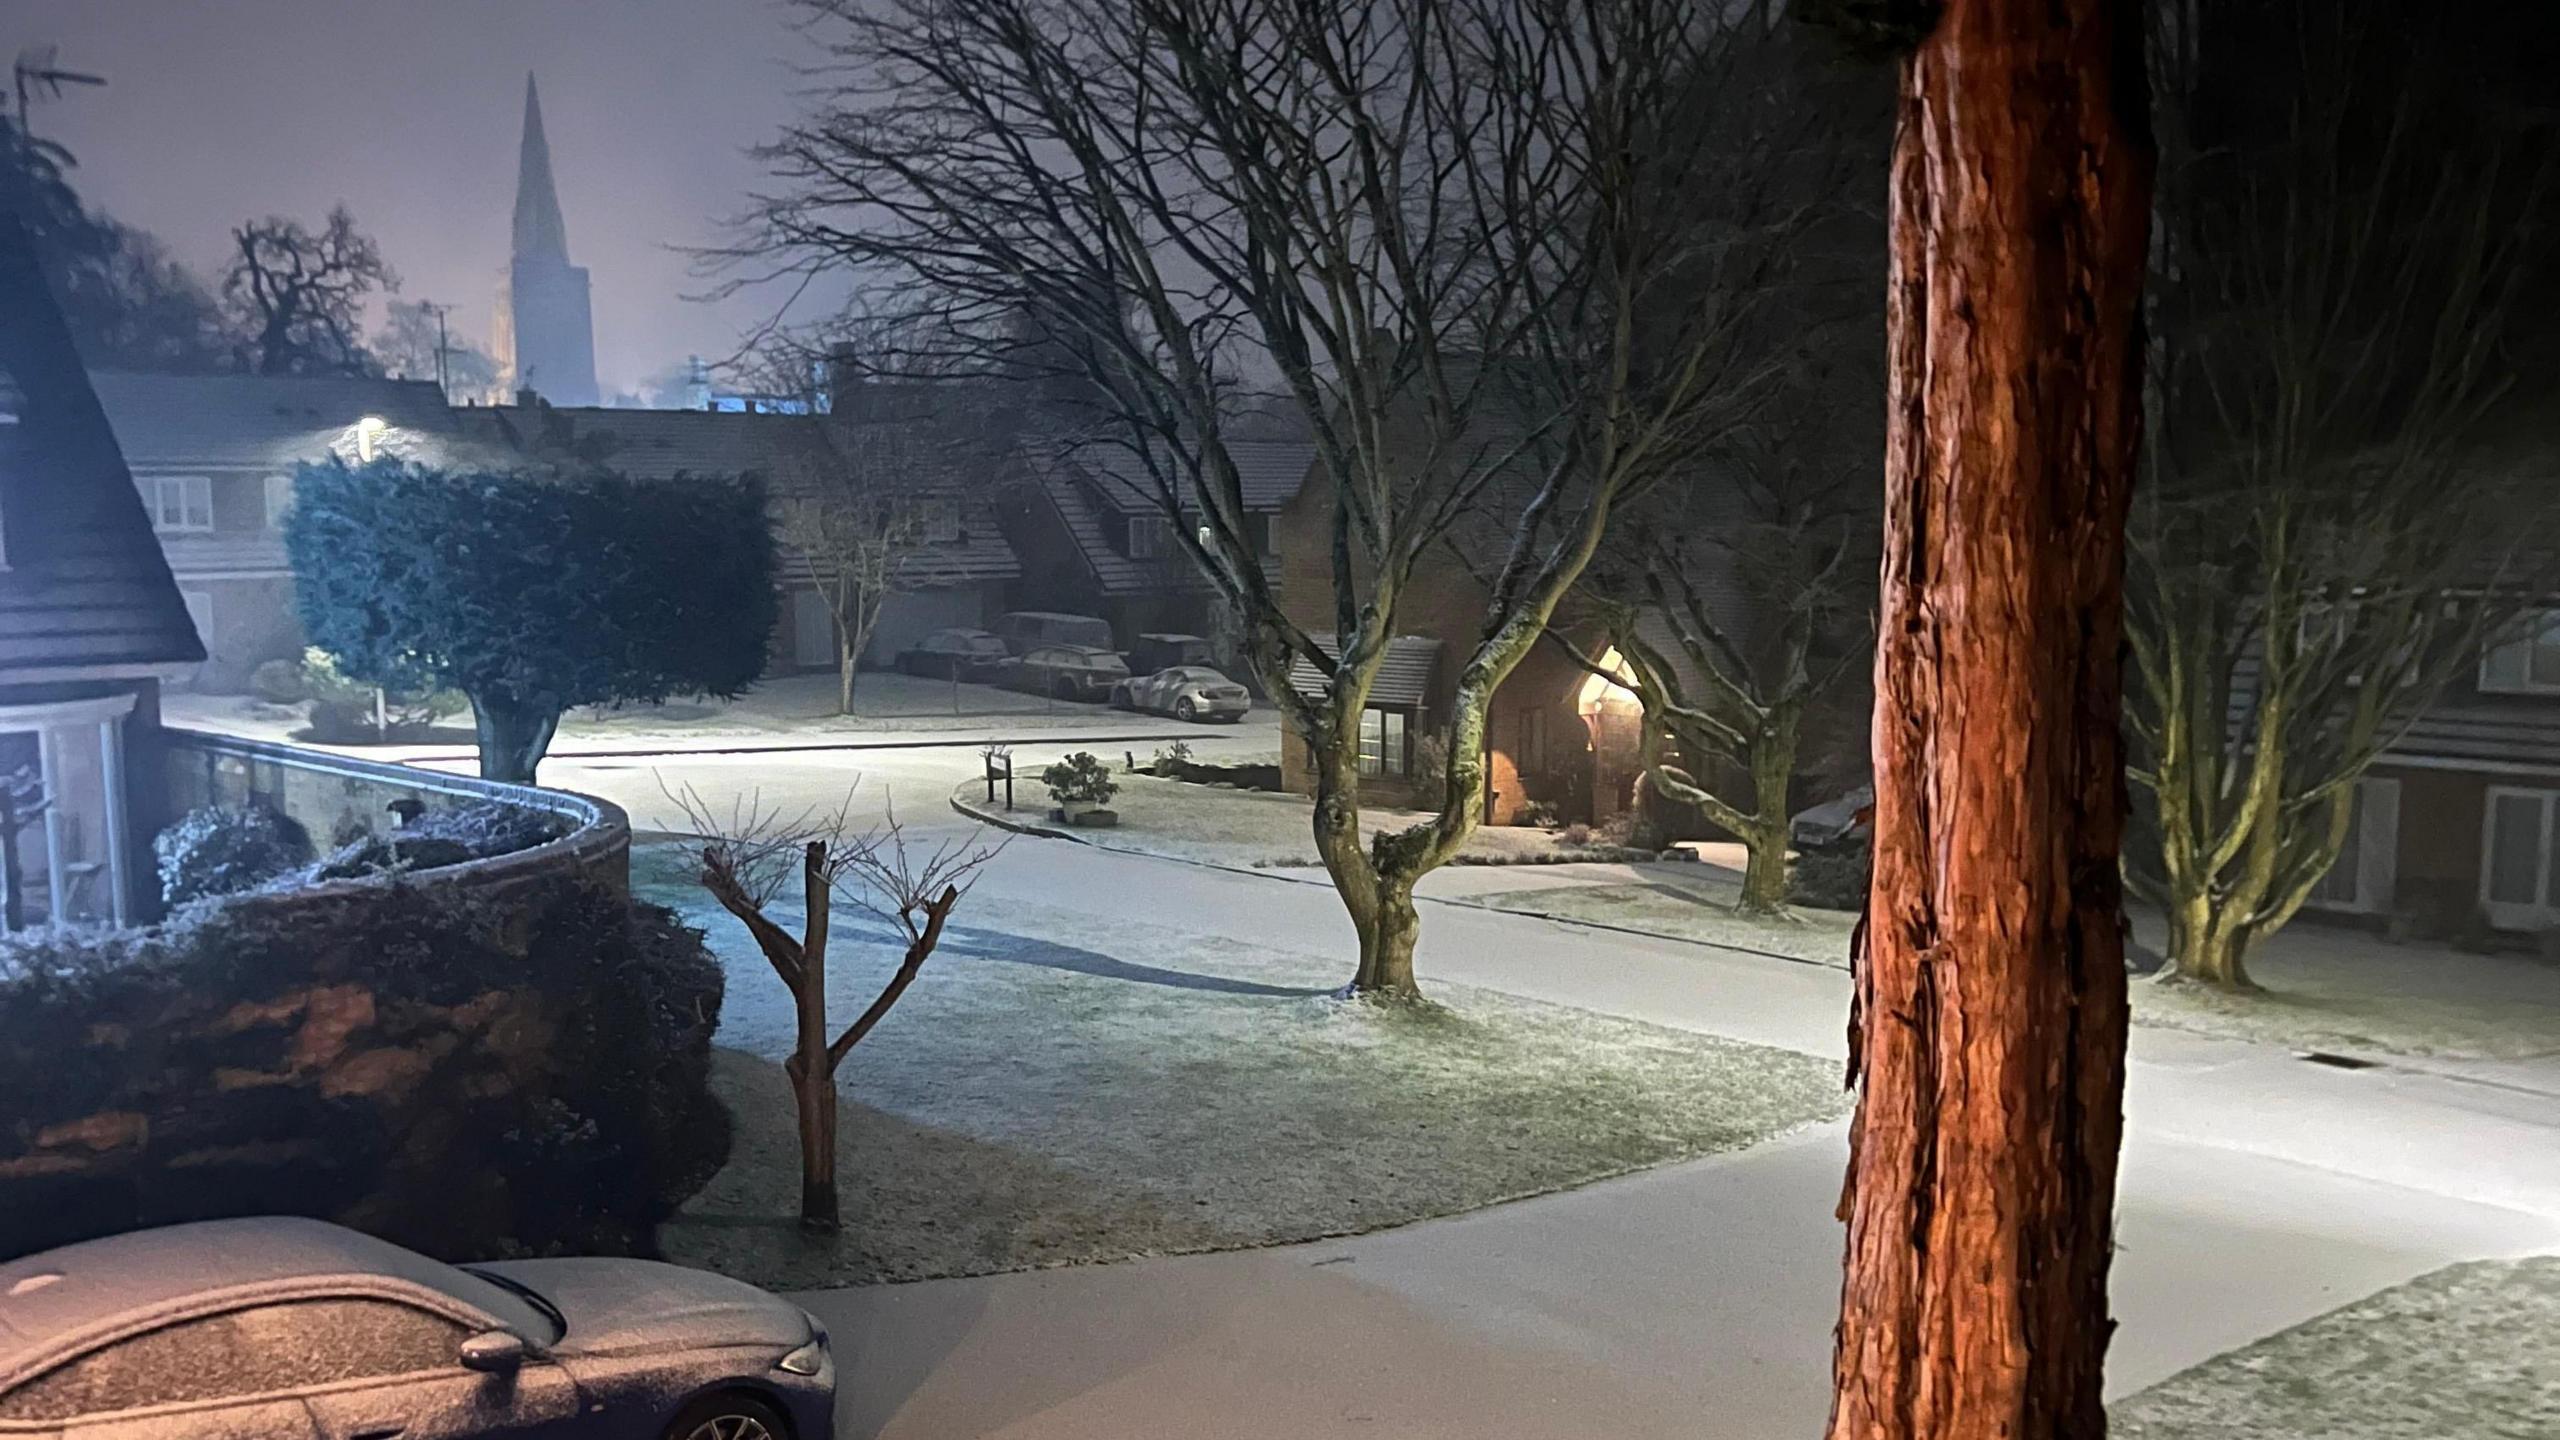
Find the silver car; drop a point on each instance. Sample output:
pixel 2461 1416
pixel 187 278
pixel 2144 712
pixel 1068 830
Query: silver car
pixel 289 1329
pixel 1066 672
pixel 1185 692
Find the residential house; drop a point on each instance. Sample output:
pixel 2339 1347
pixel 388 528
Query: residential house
pixel 2461 815
pixel 213 458
pixel 90 623
pixel 1094 536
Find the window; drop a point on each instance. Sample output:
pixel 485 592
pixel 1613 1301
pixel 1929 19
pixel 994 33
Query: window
pixel 239 1353
pixel 1150 537
pixel 2528 664
pixel 2364 876
pixel 180 503
pixel 279 500
pixel 938 520
pixel 2517 884
pixel 1382 742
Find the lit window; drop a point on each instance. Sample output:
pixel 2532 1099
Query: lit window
pixel 2528 664
pixel 180 503
pixel 279 500
pixel 1382 747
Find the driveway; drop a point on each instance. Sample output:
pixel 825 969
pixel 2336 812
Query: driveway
pixel 2257 1190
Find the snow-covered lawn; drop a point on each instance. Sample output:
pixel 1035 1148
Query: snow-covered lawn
pixel 801 706
pixel 2326 987
pixel 1056 1089
pixel 1250 829
pixel 2470 1352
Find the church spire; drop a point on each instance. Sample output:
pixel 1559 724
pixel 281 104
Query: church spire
pixel 540 232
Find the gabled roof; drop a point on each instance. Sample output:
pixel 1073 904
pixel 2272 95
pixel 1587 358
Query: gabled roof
pixel 261 422
pixel 658 444
pixel 83 585
pixel 1404 677
pixel 1090 523
pixel 1268 471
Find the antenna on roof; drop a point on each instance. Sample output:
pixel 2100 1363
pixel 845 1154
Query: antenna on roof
pixel 37 73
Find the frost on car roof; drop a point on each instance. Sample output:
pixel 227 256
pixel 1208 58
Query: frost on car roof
pixel 52 1298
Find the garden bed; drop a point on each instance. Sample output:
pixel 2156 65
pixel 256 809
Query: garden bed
pixel 1057 1090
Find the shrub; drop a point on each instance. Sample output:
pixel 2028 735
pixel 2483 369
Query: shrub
pixel 1576 834
pixel 478 830
pixel 466 1077
pixel 342 710
pixel 279 682
pixel 1833 877
pixel 1080 779
pixel 1430 757
pixel 1536 813
pixel 1171 758
pixel 213 851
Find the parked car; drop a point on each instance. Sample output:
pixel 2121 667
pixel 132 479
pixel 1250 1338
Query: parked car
pixel 1069 672
pixel 1185 692
pixel 280 1328
pixel 954 655
pixel 1024 629
pixel 1164 652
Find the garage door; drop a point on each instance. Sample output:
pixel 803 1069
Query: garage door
pixel 909 616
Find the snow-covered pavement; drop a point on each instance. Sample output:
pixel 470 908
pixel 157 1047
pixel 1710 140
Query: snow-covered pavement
pixel 2258 1190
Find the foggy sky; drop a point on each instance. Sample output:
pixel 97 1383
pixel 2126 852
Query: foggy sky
pixel 408 110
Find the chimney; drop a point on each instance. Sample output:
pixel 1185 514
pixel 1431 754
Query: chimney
pixel 529 399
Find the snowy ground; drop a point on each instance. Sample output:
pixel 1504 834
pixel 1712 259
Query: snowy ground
pixel 1060 1089
pixel 2470 1351
pixel 1248 829
pixel 791 708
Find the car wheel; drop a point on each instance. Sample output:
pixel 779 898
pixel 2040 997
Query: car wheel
pixel 1184 710
pixel 728 1417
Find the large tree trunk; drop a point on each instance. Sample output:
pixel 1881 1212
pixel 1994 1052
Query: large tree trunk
pixel 514 735
pixel 1988 1035
pixel 845 659
pixel 1764 871
pixel 1380 904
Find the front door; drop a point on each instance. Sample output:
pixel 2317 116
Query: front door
pixel 2517 858
pixel 813 631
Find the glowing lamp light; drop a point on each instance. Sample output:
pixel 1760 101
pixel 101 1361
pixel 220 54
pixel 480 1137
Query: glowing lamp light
pixel 1612 691
pixel 369 437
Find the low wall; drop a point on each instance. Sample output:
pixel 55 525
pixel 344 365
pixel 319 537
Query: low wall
pixel 495 1057
pixel 337 799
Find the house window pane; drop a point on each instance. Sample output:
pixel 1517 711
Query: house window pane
pixel 1149 537
pixel 181 502
pixel 2515 848
pixel 2338 887
pixel 2545 657
pixel 1382 735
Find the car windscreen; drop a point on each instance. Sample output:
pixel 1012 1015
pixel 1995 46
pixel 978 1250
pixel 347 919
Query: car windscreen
pixel 506 1304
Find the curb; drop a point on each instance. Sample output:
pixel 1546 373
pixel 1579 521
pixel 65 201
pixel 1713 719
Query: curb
pixel 1002 821
pixel 975 742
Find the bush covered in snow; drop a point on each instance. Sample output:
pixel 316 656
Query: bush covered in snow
pixel 467 1077
pixel 214 851
pixel 478 830
pixel 1080 779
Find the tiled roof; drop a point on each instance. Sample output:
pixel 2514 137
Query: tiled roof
pixel 261 422
pixel 1404 677
pixel 1089 523
pixel 660 444
pixel 2487 735
pixel 1268 471
pixel 84 584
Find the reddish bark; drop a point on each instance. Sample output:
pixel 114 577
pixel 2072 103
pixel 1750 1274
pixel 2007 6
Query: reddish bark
pixel 1988 1034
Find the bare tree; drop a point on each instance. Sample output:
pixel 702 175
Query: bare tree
pixel 1393 205
pixel 415 343
pixel 299 297
pixel 849 525
pixel 758 860
pixel 2323 539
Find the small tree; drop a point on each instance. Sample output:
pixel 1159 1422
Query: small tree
pixel 532 596
pixel 299 297
pixel 849 527
pixel 750 860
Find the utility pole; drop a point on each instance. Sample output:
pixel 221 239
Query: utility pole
pixel 443 344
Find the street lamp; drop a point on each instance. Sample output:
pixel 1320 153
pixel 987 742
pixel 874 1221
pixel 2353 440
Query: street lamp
pixel 368 435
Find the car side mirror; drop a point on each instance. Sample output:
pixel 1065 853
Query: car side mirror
pixel 493 1352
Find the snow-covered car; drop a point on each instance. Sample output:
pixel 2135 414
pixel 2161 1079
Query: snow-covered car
pixel 1185 692
pixel 1155 652
pixel 1068 672
pixel 280 1328
pixel 1026 630
pixel 954 655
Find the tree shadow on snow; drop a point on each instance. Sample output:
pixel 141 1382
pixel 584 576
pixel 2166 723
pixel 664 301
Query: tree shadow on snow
pixel 1025 950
